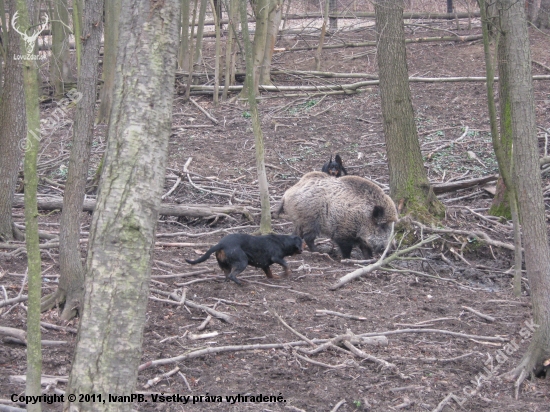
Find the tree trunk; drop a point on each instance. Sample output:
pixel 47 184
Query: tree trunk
pixel 200 32
pixel 449 6
pixel 532 10
pixel 217 58
pixel 229 56
pixel 30 86
pixel 333 9
pixel 60 71
pixel 543 18
pixel 261 10
pixel 409 185
pixel 13 131
pixel 71 280
pixel 515 37
pixel 265 220
pixel 112 13
pixel 183 51
pixel 77 24
pixel 273 23
pixel 118 265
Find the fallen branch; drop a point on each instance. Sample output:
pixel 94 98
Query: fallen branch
pixel 18 334
pixel 478 235
pixel 445 332
pixel 481 315
pixel 324 365
pixel 214 120
pixel 178 301
pixel 154 381
pixel 322 312
pixel 358 352
pixel 440 188
pixel 381 262
pixel 11 301
pixel 286 325
pixel 196 211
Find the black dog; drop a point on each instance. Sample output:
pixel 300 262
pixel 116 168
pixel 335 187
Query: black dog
pixel 335 168
pixel 236 251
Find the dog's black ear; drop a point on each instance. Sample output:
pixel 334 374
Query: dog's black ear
pixel 338 159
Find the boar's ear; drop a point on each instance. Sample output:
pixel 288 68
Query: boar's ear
pixel 378 214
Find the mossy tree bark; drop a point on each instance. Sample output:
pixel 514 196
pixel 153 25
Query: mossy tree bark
pixel 121 240
pixel 409 185
pixel 30 87
pixel 505 200
pixel 265 220
pixel 515 37
pixel 13 131
pixel 71 281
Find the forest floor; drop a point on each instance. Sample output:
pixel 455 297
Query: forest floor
pixel 301 133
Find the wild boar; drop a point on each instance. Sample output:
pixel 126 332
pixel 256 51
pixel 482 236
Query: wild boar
pixel 351 210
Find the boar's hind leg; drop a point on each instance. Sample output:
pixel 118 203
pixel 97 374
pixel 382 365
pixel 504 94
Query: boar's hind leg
pixel 345 246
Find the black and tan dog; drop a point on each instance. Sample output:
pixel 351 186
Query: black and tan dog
pixel 335 168
pixel 236 251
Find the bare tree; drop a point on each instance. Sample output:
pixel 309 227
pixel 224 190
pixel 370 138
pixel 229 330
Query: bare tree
pixel 71 281
pixel 60 71
pixel 543 18
pixel 515 38
pixel 265 220
pixel 121 240
pixel 21 22
pixel 112 13
pixel 13 131
pixel 409 185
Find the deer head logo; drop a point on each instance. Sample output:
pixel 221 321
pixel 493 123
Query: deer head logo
pixel 29 40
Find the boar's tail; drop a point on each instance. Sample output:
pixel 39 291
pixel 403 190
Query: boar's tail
pixel 206 255
pixel 279 208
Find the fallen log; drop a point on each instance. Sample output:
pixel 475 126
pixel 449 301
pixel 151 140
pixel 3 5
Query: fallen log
pixel 440 188
pixel 198 210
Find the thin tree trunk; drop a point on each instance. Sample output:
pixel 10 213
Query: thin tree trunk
pixel 183 53
pixel 200 32
pixel 60 72
pixel 190 54
pixel 217 58
pixel 274 21
pixel 321 38
pixel 543 18
pixel 13 131
pixel 30 86
pixel 121 238
pixel 515 37
pixel 265 220
pixel 532 10
pixel 77 24
pixel 229 60
pixel 71 281
pixel 409 185
pixel 333 9
pixel 112 13
pixel 261 12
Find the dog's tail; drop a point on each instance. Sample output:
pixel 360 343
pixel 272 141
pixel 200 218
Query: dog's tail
pixel 206 255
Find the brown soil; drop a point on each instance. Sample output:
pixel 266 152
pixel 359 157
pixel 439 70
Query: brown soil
pixel 300 135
